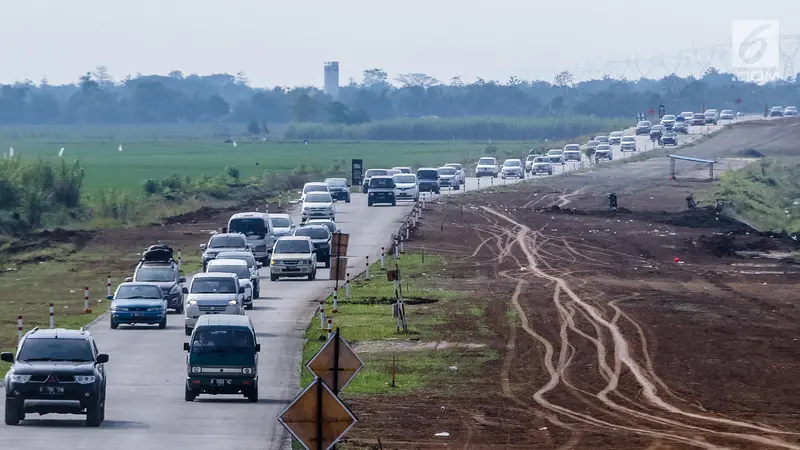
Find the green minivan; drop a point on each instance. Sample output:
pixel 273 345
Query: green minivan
pixel 222 357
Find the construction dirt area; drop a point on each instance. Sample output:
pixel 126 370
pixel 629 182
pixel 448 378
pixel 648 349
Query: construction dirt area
pixel 652 327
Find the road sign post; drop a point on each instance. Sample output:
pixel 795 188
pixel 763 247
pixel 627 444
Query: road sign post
pixel 317 418
pixel 335 363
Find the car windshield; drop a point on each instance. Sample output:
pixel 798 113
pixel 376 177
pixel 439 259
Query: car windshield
pixel 728 111
pixel 155 274
pixel 447 171
pixel 628 138
pixel 250 260
pixel 405 179
pixel 668 117
pixel 554 152
pixel 381 183
pixel 616 133
pixel 315 188
pixel 227 242
pixel 339 182
pixel 601 138
pixel 657 128
pixel 513 163
pixel 241 271
pixel 318 197
pixel 248 227
pixel 313 232
pixel 454 166
pixel 644 124
pixel 284 246
pixel 281 222
pixel 374 173
pixel 428 174
pixel 56 350
pixel 541 160
pixel 603 147
pixel 132 291
pixel 330 226
pixel 217 340
pixel 486 161
pixel 576 146
pixel 214 286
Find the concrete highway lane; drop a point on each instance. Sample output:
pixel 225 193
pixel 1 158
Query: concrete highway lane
pixel 145 407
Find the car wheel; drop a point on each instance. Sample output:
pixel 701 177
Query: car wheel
pixel 13 412
pixel 312 275
pixel 273 277
pixel 369 202
pixel 328 263
pixel 188 394
pixel 248 306
pixel 114 324
pixel 394 202
pixel 347 200
pixel 187 330
pixel 252 395
pixel 163 323
pixel 93 414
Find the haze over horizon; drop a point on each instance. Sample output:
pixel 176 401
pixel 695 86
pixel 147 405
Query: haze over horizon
pixel 286 44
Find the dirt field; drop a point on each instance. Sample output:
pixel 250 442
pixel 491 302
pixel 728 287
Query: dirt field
pixel 648 328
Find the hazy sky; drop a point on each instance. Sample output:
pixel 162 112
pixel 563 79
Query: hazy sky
pixel 286 43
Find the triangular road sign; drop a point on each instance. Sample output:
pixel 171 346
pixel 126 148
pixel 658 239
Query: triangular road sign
pixel 324 363
pixel 317 418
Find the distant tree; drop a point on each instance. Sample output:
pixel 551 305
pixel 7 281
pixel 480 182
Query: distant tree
pixel 241 78
pixel 375 78
pixel 176 75
pixel 87 84
pixel 303 108
pixel 410 80
pixel 102 76
pixel 254 128
pixel 217 107
pixel 564 80
pixel 233 172
pixel 264 128
pixel 711 71
pixel 456 81
pixel 514 81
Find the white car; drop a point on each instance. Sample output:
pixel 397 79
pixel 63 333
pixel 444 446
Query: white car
pixel 406 187
pixel 462 178
pixel 790 111
pixel 512 168
pixel 392 172
pixel 726 114
pixel 556 155
pixel 603 151
pixel 572 152
pixel 628 143
pixel 282 224
pixel 487 167
pixel 615 137
pixel 318 205
pixel 448 178
pixel 295 257
pixel 212 293
pixel 403 169
pixel 668 121
pixel 314 186
pixel 541 165
pixel 529 162
pixel 240 269
pixel 687 115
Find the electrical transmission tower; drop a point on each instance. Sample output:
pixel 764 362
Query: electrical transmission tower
pixel 620 75
pixel 789 46
pixel 704 58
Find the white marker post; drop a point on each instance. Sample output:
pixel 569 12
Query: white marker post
pixel 322 315
pixel 366 274
pixel 383 256
pixel 52 316
pixel 347 286
pixel 86 308
pixel 180 260
pixel 19 328
pixel 330 328
pixel 401 245
pixel 108 286
pixel 397 247
pixel 335 300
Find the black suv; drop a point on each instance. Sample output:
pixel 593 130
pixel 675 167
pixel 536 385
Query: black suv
pixel 167 276
pixel 381 190
pixel 57 371
pixel 428 180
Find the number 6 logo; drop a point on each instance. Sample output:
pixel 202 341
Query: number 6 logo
pixel 756 44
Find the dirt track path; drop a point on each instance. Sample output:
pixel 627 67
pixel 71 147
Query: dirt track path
pixel 620 361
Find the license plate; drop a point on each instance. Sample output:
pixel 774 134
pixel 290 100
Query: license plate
pixel 137 314
pixel 220 382
pixel 51 390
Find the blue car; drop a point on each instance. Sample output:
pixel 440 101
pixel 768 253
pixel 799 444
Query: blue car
pixel 138 303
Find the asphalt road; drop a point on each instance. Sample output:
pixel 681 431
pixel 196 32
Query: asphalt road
pixel 146 370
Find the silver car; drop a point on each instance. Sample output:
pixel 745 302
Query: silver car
pixel 293 256
pixel 212 293
pixel 282 225
pixel 241 270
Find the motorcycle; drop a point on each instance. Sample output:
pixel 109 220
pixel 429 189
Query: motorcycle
pixel 690 203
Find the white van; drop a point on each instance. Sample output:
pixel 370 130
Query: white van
pixel 258 229
pixel 314 186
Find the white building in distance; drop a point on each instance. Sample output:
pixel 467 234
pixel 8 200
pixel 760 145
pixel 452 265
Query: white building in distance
pixel 331 86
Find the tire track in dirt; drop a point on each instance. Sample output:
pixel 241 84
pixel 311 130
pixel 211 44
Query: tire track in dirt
pixel 527 241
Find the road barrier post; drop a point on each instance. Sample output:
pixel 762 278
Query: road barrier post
pixel 108 286
pixel 479 182
pixel 86 308
pixel 322 315
pixel 366 274
pixel 397 247
pixel 383 256
pixel 19 328
pixel 280 199
pixel 347 287
pixel 330 329
pixel 492 181
pixel 52 316
pixel 401 244
pixel 180 260
pixel 407 232
pixel 335 300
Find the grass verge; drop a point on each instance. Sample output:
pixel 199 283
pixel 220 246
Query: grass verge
pixel 765 195
pixel 365 320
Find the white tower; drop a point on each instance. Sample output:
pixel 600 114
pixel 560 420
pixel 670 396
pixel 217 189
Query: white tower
pixel 331 86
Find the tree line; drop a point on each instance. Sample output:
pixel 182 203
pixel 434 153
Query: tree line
pixel 96 98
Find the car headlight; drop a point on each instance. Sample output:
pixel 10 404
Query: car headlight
pixel 248 371
pixel 191 302
pixel 120 308
pixel 233 302
pixel 20 378
pixel 113 307
pixel 155 308
pixel 84 379
pixel 174 290
pixel 196 369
